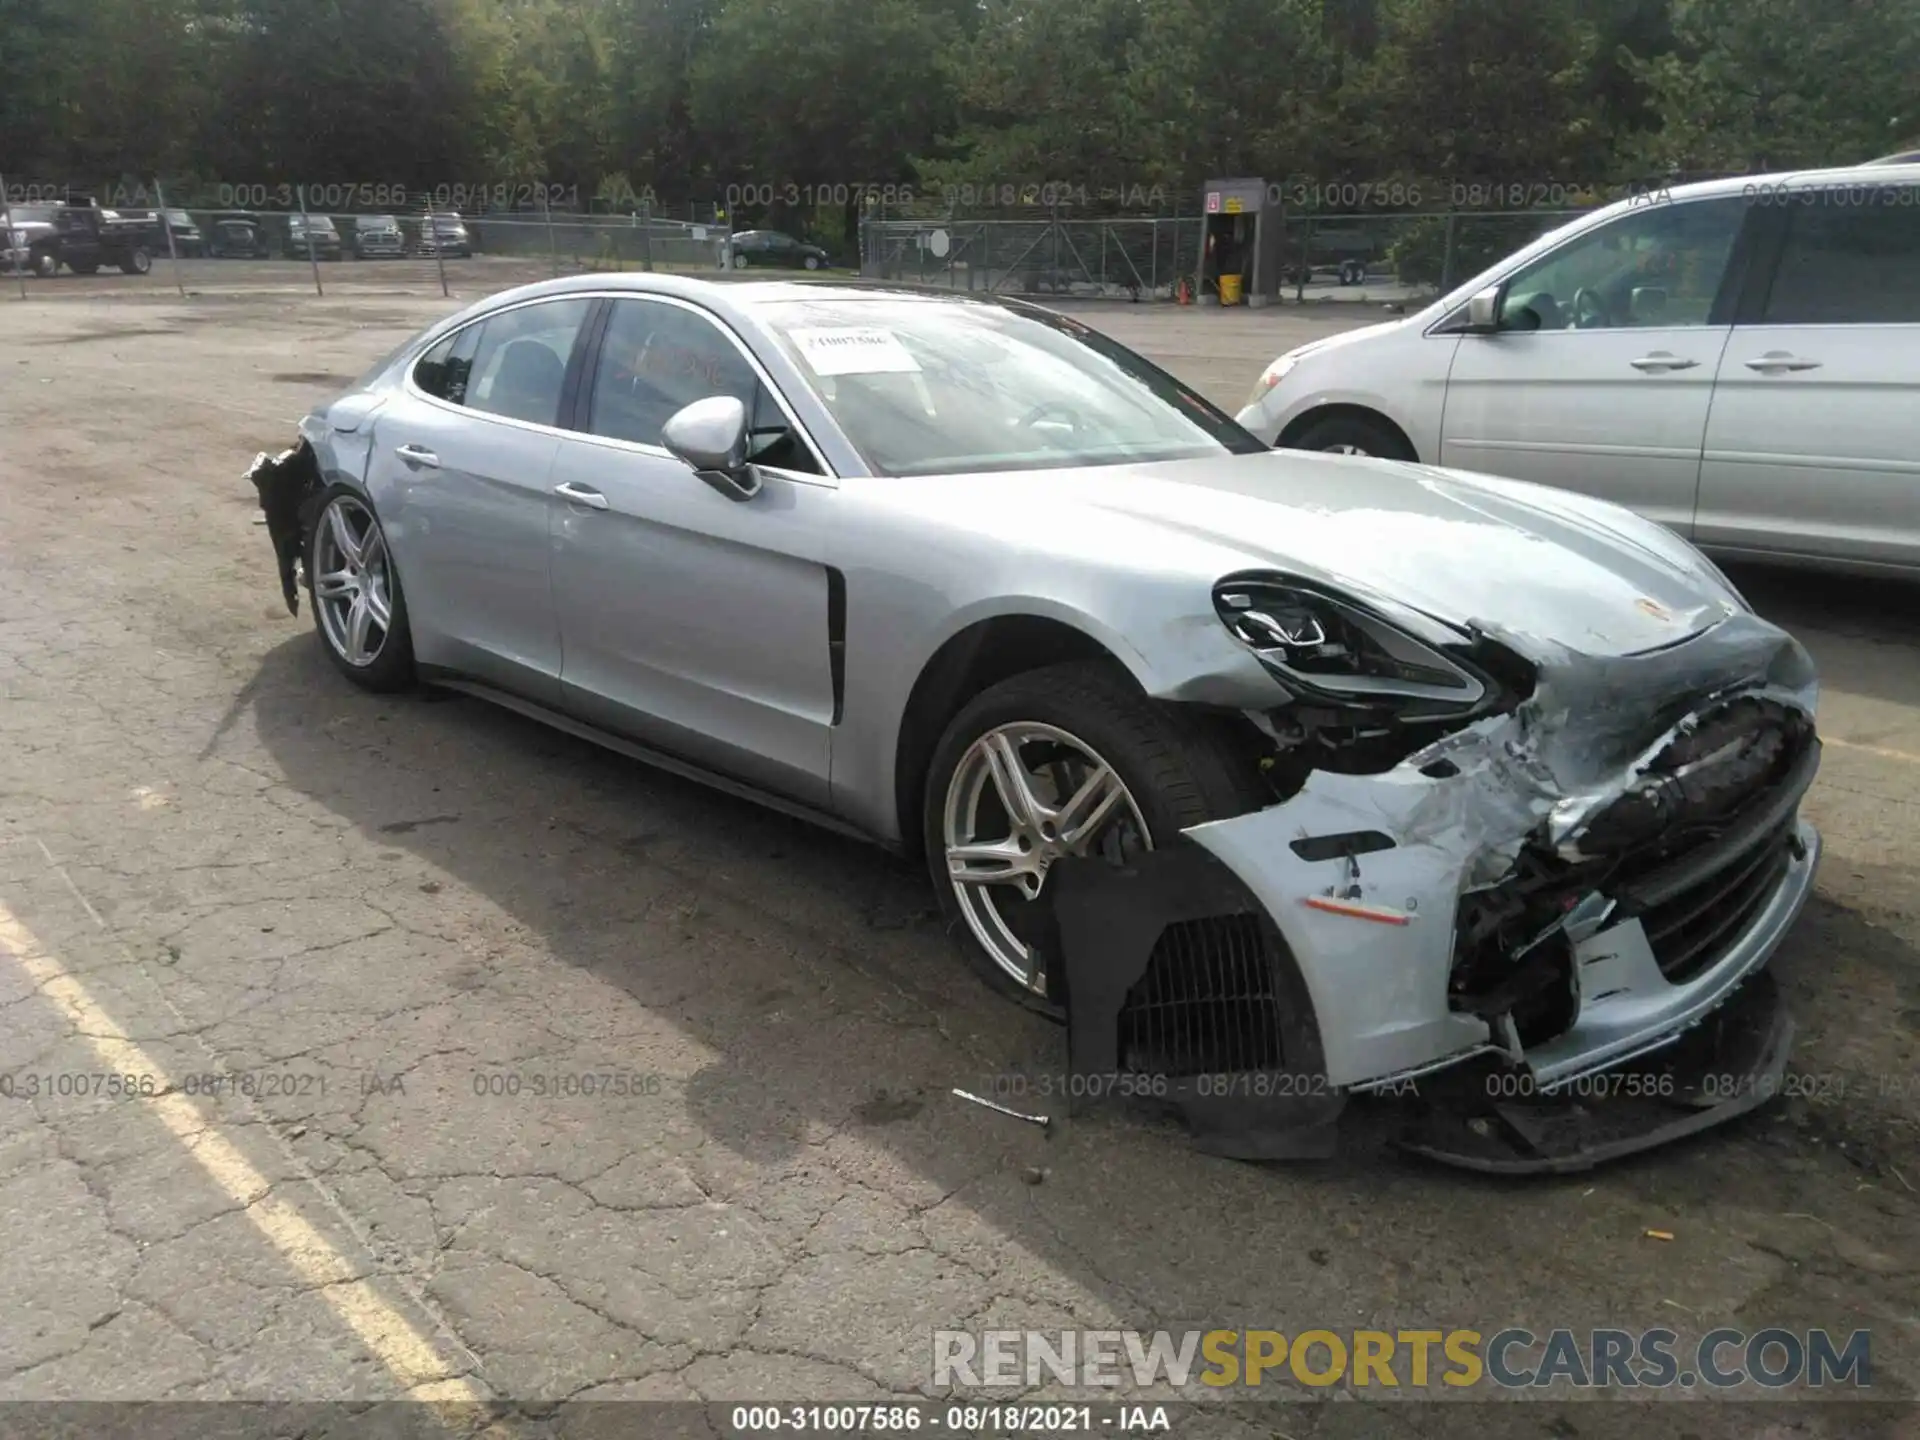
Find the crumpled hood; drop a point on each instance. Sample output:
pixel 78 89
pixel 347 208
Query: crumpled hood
pixel 1575 572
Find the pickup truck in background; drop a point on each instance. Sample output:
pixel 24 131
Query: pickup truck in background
pixel 78 235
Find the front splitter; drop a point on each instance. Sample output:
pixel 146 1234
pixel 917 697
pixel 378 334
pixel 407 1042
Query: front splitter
pixel 1483 1117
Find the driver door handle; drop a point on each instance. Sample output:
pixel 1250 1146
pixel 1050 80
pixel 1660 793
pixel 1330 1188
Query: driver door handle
pixel 581 495
pixel 1661 360
pixel 1779 362
pixel 418 455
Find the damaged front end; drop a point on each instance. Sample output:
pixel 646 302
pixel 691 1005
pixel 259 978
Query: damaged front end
pixel 290 486
pixel 1555 875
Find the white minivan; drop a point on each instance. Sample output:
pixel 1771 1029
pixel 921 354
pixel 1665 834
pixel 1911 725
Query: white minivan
pixel 1738 359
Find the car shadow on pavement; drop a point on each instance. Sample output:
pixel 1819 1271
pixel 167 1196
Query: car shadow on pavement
pixel 828 1017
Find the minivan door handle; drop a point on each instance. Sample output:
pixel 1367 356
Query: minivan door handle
pixel 418 456
pixel 1779 362
pixel 581 495
pixel 1661 360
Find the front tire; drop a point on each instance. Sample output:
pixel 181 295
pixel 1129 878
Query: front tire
pixel 813 262
pixel 358 606
pixel 138 261
pixel 1069 759
pixel 1353 435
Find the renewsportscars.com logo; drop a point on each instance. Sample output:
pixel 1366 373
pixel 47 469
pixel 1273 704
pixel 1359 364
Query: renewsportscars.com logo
pixel 1510 1359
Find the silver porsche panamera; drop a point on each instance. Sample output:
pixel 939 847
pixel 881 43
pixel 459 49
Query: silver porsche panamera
pixel 1505 774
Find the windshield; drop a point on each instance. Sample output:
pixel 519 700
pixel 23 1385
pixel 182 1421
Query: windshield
pixel 448 223
pixel 32 214
pixel 179 217
pixel 936 387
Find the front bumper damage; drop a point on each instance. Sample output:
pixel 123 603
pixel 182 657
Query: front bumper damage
pixel 1515 931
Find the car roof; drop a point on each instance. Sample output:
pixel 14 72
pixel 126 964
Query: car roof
pixel 1898 170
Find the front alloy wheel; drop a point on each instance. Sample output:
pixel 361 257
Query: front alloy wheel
pixel 357 603
pixel 1023 796
pixel 1072 759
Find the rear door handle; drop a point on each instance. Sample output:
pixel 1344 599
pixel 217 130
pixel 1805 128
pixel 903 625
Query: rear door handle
pixel 1661 360
pixel 1779 362
pixel 581 495
pixel 419 456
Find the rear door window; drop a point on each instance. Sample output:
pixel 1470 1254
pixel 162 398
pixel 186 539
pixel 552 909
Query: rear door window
pixel 1848 264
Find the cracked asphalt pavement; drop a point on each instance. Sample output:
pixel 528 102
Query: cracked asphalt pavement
pixel 377 950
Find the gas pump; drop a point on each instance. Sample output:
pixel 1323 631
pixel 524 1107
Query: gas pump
pixel 1239 245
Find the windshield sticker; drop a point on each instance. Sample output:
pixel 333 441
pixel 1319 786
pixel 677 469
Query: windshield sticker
pixel 863 351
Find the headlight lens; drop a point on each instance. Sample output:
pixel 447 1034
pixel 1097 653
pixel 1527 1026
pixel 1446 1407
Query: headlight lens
pixel 1273 375
pixel 1322 645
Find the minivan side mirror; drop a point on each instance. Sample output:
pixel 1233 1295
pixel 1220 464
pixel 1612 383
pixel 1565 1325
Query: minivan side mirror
pixel 1483 311
pixel 711 436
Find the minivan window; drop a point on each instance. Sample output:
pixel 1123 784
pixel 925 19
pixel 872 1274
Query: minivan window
pixel 1658 266
pixel 1848 264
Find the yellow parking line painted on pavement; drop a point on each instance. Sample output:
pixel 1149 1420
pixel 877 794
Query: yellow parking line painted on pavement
pixel 408 1355
pixel 1879 752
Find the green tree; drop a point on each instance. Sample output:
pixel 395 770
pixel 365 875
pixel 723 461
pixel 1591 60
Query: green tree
pixel 1777 84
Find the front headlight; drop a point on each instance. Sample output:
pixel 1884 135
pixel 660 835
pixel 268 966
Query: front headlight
pixel 1273 375
pixel 1326 647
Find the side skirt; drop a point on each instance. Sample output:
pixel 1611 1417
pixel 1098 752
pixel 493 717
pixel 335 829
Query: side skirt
pixel 645 754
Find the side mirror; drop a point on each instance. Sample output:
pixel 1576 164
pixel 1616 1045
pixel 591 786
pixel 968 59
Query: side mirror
pixel 711 436
pixel 1483 311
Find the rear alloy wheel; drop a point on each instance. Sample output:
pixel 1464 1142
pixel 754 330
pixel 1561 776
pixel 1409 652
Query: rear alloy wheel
pixel 357 605
pixel 813 262
pixel 1069 760
pixel 1352 435
pixel 739 262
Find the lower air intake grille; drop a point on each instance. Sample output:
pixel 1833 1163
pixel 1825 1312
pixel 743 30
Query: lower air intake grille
pixel 1693 929
pixel 1209 1002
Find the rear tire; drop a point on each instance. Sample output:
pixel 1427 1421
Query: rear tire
pixel 1175 769
pixel 1353 435
pixel 138 261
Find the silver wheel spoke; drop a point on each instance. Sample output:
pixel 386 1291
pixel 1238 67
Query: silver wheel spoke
pixel 377 606
pixel 343 538
pixel 373 547
pixel 359 620
pixel 334 585
pixel 1010 780
pixel 1090 808
pixel 989 862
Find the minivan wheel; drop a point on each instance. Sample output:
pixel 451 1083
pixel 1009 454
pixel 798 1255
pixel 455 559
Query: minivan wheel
pixel 1352 435
pixel 1071 759
pixel 358 607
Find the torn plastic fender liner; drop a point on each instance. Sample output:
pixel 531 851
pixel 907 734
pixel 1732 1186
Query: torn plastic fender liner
pixel 289 486
pixel 1179 991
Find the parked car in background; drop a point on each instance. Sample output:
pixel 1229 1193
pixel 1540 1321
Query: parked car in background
pixel 325 239
pixel 81 236
pixel 236 237
pixel 445 233
pixel 378 237
pixel 775 248
pixel 171 232
pixel 31 227
pixel 1737 359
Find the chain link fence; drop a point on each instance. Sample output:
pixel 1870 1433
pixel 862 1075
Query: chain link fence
pixel 471 239
pixel 249 237
pixel 1375 256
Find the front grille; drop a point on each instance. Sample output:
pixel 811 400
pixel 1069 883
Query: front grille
pixel 1694 928
pixel 1209 1002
